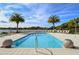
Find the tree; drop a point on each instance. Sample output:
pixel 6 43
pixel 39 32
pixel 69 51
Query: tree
pixel 17 18
pixel 53 19
pixel 71 24
pixel 59 27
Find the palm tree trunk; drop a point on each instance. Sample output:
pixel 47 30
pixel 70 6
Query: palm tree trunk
pixel 53 26
pixel 17 28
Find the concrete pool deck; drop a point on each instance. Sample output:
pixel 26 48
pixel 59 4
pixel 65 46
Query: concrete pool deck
pixel 41 51
pixel 62 37
pixel 13 37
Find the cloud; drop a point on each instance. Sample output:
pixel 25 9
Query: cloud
pixel 38 14
pixel 3 21
pixel 2 16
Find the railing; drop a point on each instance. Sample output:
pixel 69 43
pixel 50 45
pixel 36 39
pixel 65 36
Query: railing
pixel 37 46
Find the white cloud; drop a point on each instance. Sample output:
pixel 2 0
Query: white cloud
pixel 2 16
pixel 37 15
pixel 13 5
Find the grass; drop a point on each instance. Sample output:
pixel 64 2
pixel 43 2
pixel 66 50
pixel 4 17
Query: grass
pixel 5 34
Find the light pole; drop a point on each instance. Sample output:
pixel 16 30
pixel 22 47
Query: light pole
pixel 75 25
pixel 75 28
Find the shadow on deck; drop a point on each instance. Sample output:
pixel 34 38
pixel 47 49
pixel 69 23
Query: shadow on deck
pixel 41 52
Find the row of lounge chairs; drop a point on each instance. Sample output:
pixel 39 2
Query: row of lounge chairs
pixel 59 31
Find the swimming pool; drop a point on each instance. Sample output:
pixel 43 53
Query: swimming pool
pixel 38 40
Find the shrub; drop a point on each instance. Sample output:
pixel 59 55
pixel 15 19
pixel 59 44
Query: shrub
pixel 72 31
pixel 4 33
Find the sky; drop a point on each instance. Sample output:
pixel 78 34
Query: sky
pixel 37 14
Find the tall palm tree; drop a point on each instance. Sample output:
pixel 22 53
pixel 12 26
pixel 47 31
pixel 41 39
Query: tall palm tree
pixel 17 18
pixel 53 19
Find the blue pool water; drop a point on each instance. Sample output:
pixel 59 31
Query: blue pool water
pixel 38 40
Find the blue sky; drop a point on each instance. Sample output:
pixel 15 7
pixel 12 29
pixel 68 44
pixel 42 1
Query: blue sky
pixel 37 14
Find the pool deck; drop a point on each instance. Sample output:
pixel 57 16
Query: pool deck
pixel 41 51
pixel 12 37
pixel 62 37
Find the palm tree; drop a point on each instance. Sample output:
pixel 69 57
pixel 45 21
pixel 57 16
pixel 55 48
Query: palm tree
pixel 17 19
pixel 53 19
